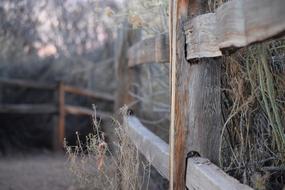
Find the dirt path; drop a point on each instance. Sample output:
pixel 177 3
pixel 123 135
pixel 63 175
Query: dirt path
pixel 36 172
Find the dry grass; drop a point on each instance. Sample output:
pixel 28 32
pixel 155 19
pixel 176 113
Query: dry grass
pixel 253 143
pixel 252 146
pixel 96 167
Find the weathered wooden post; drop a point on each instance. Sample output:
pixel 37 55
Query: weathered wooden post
pixel 55 119
pixel 195 96
pixel 1 93
pixel 60 131
pixel 124 75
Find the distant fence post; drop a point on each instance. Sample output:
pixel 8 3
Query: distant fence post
pixel 124 77
pixel 60 130
pixel 195 96
pixel 55 119
pixel 1 93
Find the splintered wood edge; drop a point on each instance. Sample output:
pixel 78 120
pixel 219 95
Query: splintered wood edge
pixel 235 24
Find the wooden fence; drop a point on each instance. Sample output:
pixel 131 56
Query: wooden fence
pixel 194 34
pixel 57 107
pixel 193 46
pixel 200 173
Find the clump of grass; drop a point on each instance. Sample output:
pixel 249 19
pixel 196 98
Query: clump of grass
pixel 253 140
pixel 96 167
pixel 252 146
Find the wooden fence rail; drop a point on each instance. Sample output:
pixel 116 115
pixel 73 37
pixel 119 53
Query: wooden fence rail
pixel 150 50
pixel 88 93
pixel 77 110
pixel 59 108
pixel 200 173
pixel 150 145
pixel 28 108
pixel 28 84
pixel 233 25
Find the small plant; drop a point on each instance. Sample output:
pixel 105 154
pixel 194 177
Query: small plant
pixel 96 167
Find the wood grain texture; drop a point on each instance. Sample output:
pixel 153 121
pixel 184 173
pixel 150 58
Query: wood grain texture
pixel 201 173
pixel 171 4
pixel 205 120
pixel 150 50
pixel 155 150
pixel 195 111
pixel 229 27
pixel 179 94
pixel 235 24
pixel 201 37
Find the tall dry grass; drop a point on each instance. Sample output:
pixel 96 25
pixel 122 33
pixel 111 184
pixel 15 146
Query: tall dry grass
pixel 96 167
pixel 252 145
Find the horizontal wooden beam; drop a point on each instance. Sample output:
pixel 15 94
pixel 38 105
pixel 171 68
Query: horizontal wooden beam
pixel 27 84
pixel 235 24
pixel 88 93
pixel 150 145
pixel 67 88
pixel 77 110
pixel 201 174
pixel 28 108
pixel 150 50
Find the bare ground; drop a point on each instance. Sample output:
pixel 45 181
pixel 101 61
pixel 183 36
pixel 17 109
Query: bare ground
pixel 35 172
